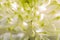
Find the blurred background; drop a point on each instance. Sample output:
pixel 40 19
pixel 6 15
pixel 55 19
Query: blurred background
pixel 29 19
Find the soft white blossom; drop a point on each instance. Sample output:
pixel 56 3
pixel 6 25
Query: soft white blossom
pixel 14 6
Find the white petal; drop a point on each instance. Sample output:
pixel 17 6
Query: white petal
pixel 42 17
pixel 58 1
pixel 14 6
pixel 25 24
pixel 39 30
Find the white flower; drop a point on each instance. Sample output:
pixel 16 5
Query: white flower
pixel 39 30
pixel 42 8
pixel 6 36
pixel 22 9
pixel 20 35
pixel 42 17
pixel 58 1
pixel 13 20
pixel 14 6
pixel 37 12
pixel 25 24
